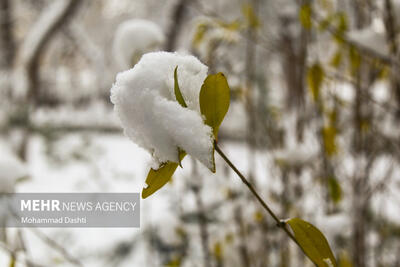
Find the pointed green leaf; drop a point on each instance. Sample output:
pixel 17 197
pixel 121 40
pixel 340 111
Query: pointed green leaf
pixel 315 77
pixel 177 90
pixel 313 243
pixel 214 100
pixel 201 31
pixel 305 16
pixel 181 155
pixel 334 189
pixel 158 178
pixel 252 19
pixel 336 59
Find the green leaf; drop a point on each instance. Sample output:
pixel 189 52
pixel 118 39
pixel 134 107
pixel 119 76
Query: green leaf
pixel 355 60
pixel 214 100
pixel 201 31
pixel 342 26
pixel 329 138
pixel 305 16
pixel 336 59
pixel 315 77
pixel 334 189
pixel 218 251
pixel 12 261
pixel 344 260
pixel 181 155
pixel 325 23
pixel 174 262
pixel 313 243
pixel 178 94
pixel 252 19
pixel 158 178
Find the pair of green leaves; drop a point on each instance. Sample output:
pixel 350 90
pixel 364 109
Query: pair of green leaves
pixel 313 243
pixel 214 104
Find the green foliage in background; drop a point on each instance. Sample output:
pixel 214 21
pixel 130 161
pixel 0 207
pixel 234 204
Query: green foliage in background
pixel 315 78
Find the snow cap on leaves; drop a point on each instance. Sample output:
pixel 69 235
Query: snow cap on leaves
pixel 145 102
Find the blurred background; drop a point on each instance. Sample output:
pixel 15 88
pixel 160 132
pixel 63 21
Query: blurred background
pixel 313 122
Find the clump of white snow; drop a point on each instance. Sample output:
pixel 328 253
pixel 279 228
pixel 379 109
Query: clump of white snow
pixel 295 154
pixel 371 38
pixel 145 102
pixel 134 38
pixel 328 262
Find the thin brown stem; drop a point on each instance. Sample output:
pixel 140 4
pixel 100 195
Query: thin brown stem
pixel 280 223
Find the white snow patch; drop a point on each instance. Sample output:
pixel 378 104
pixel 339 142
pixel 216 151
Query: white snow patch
pixel 328 262
pixel 145 102
pixel 133 38
pixel 335 224
pixel 345 92
pixel 380 92
pixel 371 38
pixel 235 120
pixel 295 154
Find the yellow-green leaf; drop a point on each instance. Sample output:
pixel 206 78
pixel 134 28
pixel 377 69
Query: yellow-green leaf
pixel 355 60
pixel 201 31
pixel 344 260
pixel 315 77
pixel 342 22
pixel 329 138
pixel 325 23
pixel 334 189
pixel 336 59
pixel 326 4
pixel 230 26
pixel 218 251
pixel 305 16
pixel 313 243
pixel 181 154
pixel 251 17
pixel 214 100
pixel 158 178
pixel 177 90
pixel 174 262
pixel 12 261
